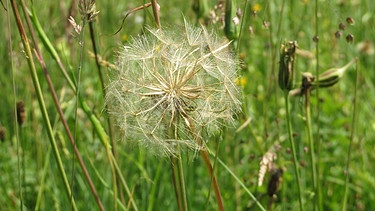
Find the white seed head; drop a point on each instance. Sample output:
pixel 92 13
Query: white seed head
pixel 171 85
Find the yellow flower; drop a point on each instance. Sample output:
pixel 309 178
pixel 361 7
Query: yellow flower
pixel 241 81
pixel 124 38
pixel 256 7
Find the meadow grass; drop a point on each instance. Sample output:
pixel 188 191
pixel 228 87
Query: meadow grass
pixel 41 163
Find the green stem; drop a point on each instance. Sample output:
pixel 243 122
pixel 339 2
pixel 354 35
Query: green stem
pixel 114 177
pixel 57 104
pixel 311 146
pixel 182 181
pixel 15 123
pixel 317 182
pixel 240 182
pixel 295 161
pixel 42 180
pixel 175 182
pixel 42 106
pixel 352 135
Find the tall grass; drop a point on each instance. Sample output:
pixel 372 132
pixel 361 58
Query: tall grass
pixel 95 169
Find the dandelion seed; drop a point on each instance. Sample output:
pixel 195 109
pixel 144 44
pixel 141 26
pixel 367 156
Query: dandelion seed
pixel 171 85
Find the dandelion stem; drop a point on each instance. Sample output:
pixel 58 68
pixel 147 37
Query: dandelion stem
pixel 207 161
pixel 182 181
pixel 311 145
pixel 175 182
pixel 295 161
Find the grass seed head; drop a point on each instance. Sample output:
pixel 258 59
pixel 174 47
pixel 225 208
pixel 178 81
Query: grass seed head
pixel 174 81
pixel 21 113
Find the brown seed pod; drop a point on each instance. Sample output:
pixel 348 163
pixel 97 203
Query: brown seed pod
pixel 350 21
pixel 2 134
pixel 349 38
pixel 342 26
pixel 338 34
pixel 274 184
pixel 316 38
pixel 21 113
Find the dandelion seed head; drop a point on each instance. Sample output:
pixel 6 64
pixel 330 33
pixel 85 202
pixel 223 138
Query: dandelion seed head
pixel 172 84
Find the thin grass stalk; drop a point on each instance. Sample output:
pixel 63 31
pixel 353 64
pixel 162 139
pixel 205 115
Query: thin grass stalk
pixel 182 180
pixel 94 121
pixel 80 64
pixel 114 177
pixel 20 158
pixel 240 182
pixel 240 33
pixel 153 194
pixel 47 43
pixel 176 182
pixel 29 58
pixel 317 141
pixel 311 146
pixel 177 169
pixel 23 171
pixel 210 170
pixel 15 124
pixel 42 180
pixel 352 136
pixel 104 140
pixel 291 140
pixel 57 104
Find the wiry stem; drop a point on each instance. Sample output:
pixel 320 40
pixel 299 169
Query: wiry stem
pixel 116 183
pixel 175 182
pixel 352 136
pixel 311 145
pixel 291 140
pixel 317 182
pixel 56 101
pixel 15 124
pixel 42 106
pixel 177 170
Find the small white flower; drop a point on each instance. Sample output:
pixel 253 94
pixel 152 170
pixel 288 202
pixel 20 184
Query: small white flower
pixel 171 85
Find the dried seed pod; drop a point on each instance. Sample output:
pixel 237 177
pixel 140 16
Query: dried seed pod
pixel 286 65
pixel 342 26
pixel 21 113
pixel 316 38
pixel 2 134
pixel 274 184
pixel 350 38
pixel 350 21
pixel 338 34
